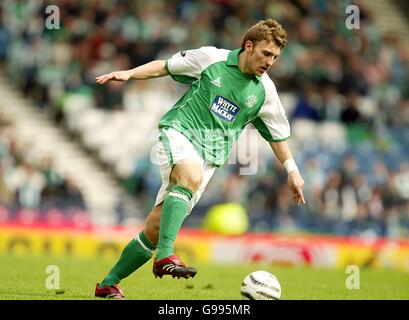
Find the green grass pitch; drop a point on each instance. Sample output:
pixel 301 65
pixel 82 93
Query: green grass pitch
pixel 24 277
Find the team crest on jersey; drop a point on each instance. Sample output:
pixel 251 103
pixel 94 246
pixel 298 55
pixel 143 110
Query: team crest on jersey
pixel 224 108
pixel 251 101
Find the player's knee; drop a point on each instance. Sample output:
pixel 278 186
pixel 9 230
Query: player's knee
pixel 189 179
pixel 192 182
pixel 189 175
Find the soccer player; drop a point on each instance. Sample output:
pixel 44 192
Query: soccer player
pixel 228 90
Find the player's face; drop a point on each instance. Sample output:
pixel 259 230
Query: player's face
pixel 261 57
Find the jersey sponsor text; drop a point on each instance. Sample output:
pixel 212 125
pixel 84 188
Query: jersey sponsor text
pixel 224 109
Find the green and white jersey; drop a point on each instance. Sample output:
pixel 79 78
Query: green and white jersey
pixel 221 101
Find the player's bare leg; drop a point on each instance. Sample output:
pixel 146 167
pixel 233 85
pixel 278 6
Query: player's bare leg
pixel 163 228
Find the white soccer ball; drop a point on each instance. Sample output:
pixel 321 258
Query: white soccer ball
pixel 260 285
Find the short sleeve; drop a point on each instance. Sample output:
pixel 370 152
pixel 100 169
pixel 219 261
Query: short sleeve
pixel 187 66
pixel 272 122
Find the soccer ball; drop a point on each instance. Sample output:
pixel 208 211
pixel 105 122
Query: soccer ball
pixel 260 285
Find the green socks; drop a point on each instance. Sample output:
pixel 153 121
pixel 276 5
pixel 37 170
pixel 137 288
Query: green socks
pixel 173 213
pixel 139 250
pixel 136 253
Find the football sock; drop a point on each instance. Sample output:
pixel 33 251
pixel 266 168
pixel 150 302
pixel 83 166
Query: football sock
pixel 135 254
pixel 174 211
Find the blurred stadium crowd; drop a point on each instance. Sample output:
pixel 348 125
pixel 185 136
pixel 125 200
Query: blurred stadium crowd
pixel 346 93
pixel 30 185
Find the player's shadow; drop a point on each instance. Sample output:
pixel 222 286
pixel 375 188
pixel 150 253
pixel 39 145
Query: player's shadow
pixel 51 295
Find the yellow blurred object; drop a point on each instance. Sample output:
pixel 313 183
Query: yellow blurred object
pixel 227 218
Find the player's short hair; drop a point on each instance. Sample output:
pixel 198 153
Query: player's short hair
pixel 269 30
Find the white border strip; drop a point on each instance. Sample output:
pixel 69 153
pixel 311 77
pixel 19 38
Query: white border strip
pixel 143 245
pixel 178 195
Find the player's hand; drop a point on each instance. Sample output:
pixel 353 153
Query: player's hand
pixel 296 184
pixel 114 76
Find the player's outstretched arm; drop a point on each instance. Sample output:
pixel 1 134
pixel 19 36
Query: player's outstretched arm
pixel 294 180
pixel 153 69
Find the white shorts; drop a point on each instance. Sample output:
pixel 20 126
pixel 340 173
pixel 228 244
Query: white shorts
pixel 172 147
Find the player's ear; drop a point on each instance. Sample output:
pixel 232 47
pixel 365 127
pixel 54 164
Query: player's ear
pixel 249 46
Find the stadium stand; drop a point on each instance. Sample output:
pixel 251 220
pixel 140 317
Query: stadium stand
pixel 346 93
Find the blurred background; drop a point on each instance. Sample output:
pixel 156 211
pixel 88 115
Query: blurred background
pixel 75 153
